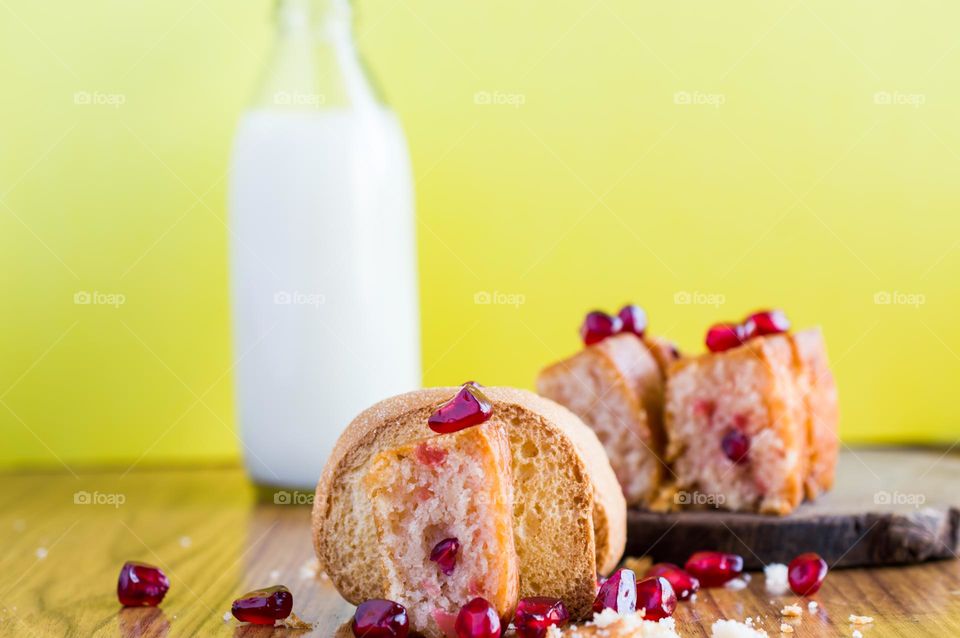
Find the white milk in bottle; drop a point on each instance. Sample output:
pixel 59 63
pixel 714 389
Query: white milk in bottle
pixel 322 249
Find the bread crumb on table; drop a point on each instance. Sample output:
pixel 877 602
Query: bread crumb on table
pixel 785 628
pixel 791 611
pixel 860 620
pixel 856 634
pixel 813 606
pixel 736 584
pixel 294 622
pixel 775 578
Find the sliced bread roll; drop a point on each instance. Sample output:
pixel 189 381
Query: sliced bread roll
pixel 616 387
pixel 569 516
pixel 443 508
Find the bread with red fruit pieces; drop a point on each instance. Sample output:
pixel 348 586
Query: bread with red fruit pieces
pixel 569 517
pixel 823 412
pixel 451 493
pixel 740 423
pixel 616 387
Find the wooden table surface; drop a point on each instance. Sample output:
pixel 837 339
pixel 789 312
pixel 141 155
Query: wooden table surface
pixel 64 539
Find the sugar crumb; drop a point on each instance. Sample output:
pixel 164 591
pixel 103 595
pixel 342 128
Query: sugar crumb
pixel 785 628
pixel 791 611
pixel 860 620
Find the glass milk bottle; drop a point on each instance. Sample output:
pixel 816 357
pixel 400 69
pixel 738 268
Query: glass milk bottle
pixel 323 260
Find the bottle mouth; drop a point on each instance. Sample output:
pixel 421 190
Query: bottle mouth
pixel 311 13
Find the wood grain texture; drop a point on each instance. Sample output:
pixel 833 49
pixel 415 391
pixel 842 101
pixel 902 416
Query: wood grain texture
pixel 888 507
pixel 215 541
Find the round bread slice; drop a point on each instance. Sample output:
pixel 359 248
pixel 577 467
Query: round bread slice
pixel 569 512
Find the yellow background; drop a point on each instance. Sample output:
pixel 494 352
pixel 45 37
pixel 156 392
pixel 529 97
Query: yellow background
pixel 801 190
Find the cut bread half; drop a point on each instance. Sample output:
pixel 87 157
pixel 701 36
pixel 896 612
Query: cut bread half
pixel 616 387
pixel 451 493
pixel 569 516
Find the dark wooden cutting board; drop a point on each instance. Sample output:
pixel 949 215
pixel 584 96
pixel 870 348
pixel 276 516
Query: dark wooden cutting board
pixel 888 506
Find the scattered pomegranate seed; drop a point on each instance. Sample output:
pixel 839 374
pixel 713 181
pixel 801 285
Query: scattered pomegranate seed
pixel 765 322
pixel 598 325
pixel 444 554
pixel 470 406
pixel 535 615
pixel 633 319
pixel 713 569
pixel 736 445
pixel 806 573
pixel 141 585
pixel 477 619
pixel 263 606
pixel 378 618
pixel 656 597
pixel 619 593
pixel 723 336
pixel 684 585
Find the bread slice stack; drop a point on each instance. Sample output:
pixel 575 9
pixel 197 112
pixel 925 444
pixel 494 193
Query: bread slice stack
pixel 533 471
pixel 749 428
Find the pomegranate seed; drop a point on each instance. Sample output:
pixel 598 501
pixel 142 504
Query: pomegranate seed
pixel 723 336
pixel 619 593
pixel 430 455
pixel 713 569
pixel 444 554
pixel 477 619
pixel 468 407
pixel 141 585
pixel 378 618
pixel 684 585
pixel 765 322
pixel 656 597
pixel 263 606
pixel 736 445
pixel 535 615
pixel 806 573
pixel 597 326
pixel 634 320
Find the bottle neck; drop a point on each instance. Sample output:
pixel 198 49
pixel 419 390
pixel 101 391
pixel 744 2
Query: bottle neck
pixel 315 16
pixel 315 62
